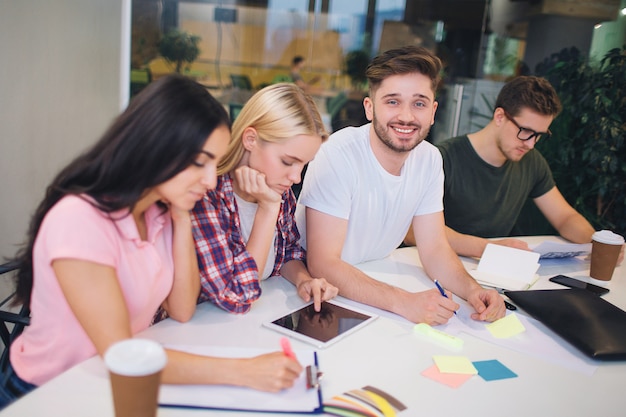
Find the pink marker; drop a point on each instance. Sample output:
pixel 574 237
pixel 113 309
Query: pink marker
pixel 286 346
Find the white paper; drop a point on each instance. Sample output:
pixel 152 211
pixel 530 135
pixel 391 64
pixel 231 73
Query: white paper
pixel 538 341
pixel 548 249
pixel 295 399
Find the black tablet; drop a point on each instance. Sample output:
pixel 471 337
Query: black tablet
pixel 321 328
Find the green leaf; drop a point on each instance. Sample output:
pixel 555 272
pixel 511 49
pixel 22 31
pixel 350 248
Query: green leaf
pixel 588 151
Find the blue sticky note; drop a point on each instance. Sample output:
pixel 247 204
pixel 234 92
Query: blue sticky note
pixel 493 370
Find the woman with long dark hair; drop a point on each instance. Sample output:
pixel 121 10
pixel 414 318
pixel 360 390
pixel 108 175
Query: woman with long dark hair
pixel 111 243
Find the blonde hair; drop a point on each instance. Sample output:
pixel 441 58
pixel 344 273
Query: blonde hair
pixel 278 112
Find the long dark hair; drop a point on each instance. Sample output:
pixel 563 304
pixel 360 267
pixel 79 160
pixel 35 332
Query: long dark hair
pixel 157 136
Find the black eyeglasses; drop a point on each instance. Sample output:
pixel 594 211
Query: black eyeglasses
pixel 527 134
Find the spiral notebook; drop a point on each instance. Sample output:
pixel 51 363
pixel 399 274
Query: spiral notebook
pixel 590 323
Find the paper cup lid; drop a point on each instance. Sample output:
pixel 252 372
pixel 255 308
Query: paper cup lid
pixel 135 357
pixel 608 237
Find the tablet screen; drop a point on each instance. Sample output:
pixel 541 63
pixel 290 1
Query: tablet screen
pixel 325 325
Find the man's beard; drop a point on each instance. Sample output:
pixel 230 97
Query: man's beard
pixel 388 141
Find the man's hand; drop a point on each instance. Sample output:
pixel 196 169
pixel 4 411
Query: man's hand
pixel 512 243
pixel 317 288
pixel 488 304
pixel 428 307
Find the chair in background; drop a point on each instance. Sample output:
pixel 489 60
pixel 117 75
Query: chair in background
pixel 336 103
pixel 12 321
pixel 345 110
pixel 241 82
pixel 233 110
pixel 282 78
pixel 139 79
pixel 238 95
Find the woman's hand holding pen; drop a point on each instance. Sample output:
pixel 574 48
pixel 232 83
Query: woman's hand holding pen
pixel 271 372
pixel 425 307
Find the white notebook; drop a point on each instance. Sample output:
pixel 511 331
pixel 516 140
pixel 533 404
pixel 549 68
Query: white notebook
pixel 507 268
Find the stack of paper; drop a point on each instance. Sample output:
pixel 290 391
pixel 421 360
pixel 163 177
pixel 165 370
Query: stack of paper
pixel 507 268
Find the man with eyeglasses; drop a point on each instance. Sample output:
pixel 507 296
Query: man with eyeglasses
pixel 491 173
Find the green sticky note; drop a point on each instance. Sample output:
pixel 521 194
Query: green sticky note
pixel 454 365
pixel 437 336
pixel 506 327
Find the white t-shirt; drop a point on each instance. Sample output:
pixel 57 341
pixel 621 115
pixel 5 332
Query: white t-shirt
pixel 346 180
pixel 247 211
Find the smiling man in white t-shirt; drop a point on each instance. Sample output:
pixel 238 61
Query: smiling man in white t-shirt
pixel 368 184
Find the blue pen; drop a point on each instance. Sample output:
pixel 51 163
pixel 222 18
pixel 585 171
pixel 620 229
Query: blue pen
pixel 441 290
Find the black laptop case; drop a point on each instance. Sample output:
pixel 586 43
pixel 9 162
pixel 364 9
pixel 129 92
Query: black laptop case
pixel 590 323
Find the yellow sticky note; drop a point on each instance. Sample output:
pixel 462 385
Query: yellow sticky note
pixel 507 326
pixel 455 365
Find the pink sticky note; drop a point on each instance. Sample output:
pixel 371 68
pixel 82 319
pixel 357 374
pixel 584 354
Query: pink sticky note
pixel 451 380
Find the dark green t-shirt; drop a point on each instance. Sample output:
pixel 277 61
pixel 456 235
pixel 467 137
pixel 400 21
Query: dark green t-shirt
pixel 483 200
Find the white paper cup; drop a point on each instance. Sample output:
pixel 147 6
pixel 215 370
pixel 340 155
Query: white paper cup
pixel 605 249
pixel 135 367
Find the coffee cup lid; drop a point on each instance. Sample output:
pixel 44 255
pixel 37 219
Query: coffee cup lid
pixel 135 357
pixel 608 237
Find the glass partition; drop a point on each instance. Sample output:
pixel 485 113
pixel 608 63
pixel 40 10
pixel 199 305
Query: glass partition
pixel 243 45
pixel 246 44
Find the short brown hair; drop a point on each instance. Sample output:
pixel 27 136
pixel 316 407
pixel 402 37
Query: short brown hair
pixel 534 93
pixel 404 60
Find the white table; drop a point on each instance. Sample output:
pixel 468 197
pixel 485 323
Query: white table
pixel 385 354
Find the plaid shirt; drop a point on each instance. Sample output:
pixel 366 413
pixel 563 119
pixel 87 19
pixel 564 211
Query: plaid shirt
pixel 228 273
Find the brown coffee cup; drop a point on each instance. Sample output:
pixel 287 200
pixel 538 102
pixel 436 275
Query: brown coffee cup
pixel 605 249
pixel 135 367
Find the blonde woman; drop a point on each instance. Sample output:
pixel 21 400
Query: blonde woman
pixel 244 229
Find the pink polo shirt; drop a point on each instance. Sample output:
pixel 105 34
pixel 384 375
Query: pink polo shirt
pixel 55 341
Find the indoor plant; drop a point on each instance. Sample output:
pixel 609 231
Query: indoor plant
pixel 587 153
pixel 356 63
pixel 179 47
